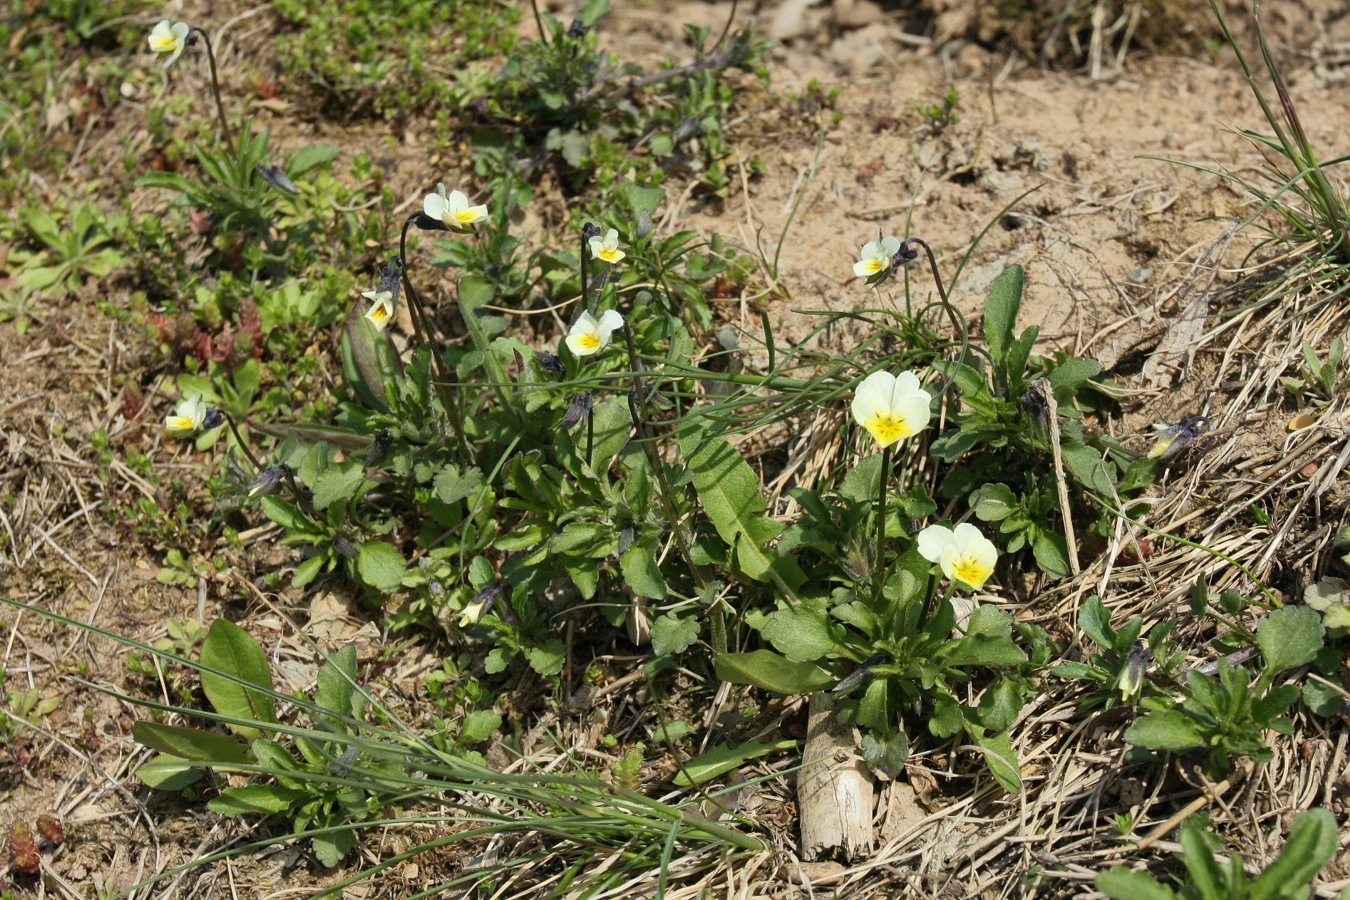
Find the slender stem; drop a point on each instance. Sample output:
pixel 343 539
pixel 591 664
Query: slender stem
pixel 637 407
pixel 422 332
pixel 585 275
pixel 257 466
pixel 539 23
pixel 590 437
pixel 215 82
pixel 879 564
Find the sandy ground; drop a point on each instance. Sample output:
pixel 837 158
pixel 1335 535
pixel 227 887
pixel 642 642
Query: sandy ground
pixel 1111 215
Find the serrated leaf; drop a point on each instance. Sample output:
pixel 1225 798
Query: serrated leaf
pixel 452 485
pixel 337 484
pixel 381 565
pixel 548 659
pixel 720 760
pixel 233 652
pixel 673 634
pixel 1312 842
pixel 772 672
pixel 330 848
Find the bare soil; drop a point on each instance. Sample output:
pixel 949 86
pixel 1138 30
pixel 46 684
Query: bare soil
pixel 1091 183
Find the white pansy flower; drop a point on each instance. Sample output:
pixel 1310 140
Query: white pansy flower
pixel 454 210
pixel 891 407
pixel 965 555
pixel 169 37
pixel 187 419
pixel 607 248
pixel 877 257
pixel 589 336
pixel 382 310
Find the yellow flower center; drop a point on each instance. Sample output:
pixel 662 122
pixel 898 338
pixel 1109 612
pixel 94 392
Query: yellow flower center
pixel 887 428
pixel 165 44
pixel 379 313
pixel 589 341
pixel 971 572
pixel 874 266
pixel 609 255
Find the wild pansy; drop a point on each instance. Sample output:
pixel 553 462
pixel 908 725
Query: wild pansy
pixel 453 210
pixel 589 336
pixel 965 555
pixel 385 296
pixel 876 258
pixel 191 416
pixel 891 407
pixel 607 248
pixel 170 37
pixel 1172 439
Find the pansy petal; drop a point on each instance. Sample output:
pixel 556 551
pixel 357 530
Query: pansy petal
pixel 933 542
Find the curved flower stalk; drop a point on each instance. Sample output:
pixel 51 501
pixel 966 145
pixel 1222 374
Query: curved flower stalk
pixel 589 335
pixel 171 38
pixel 966 557
pixel 891 407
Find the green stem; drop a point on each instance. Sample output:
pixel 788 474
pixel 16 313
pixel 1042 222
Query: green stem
pixel 234 429
pixel 422 332
pixel 215 82
pixel 879 564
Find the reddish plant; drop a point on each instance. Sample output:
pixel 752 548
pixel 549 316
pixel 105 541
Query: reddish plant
pixel 50 829
pixel 23 850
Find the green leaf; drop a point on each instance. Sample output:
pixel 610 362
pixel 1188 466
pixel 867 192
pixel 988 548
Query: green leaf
pixel 166 772
pixel 1121 883
pixel 1289 638
pixel 801 633
pixel 673 634
pixel 330 848
pixel 766 669
pixel 1095 621
pixel 729 491
pixel 548 659
pixel 1001 759
pixel 337 484
pixel 1052 554
pixel 861 483
pixel 308 570
pixel 643 199
pixel 641 572
pixel 721 760
pixel 993 502
pixel 381 566
pixel 307 158
pixel 367 357
pixel 264 799
pixel 336 688
pixel 1085 464
pixel 1000 313
pixel 1205 874
pixel 233 652
pixel 192 744
pixel 452 485
pixel 1311 845
pixel 479 725
pixel 1073 372
pixel 1164 730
